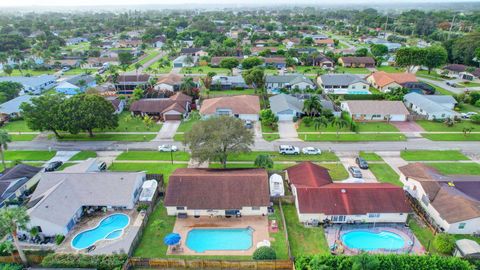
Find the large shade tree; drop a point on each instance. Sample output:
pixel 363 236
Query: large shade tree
pixel 42 113
pixel 12 219
pixel 217 137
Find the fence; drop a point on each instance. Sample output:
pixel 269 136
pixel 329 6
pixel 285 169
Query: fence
pixel 206 264
pixel 32 259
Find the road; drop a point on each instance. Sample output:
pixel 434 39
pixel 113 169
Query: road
pixel 148 63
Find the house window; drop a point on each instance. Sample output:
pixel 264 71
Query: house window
pixel 462 225
pixel 256 208
pixel 339 218
pixel 373 215
pixel 180 207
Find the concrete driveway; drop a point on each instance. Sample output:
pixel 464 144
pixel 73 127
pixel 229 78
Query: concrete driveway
pixel 168 130
pixel 62 156
pixel 287 131
pixel 257 130
pixel 407 126
pixel 348 161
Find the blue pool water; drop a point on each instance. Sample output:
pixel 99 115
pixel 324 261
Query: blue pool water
pixel 366 240
pixel 109 228
pixel 201 240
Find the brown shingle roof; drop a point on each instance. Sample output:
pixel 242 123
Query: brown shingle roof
pixel 243 104
pixel 383 78
pixel 133 78
pixel 358 60
pixel 158 105
pixel 377 107
pixel 218 189
pixel 170 79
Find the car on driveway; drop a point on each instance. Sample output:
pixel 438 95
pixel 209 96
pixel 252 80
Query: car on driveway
pixel 248 124
pixel 53 166
pixel 167 148
pixel 311 151
pixel 288 150
pixel 362 163
pixel 355 171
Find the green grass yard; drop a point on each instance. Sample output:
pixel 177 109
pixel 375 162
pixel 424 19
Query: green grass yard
pixel 352 70
pixel 250 156
pixel 129 123
pixel 309 69
pixel 23 137
pixel 66 165
pixel 16 126
pixel 270 137
pixel 432 155
pixel 362 127
pixel 25 72
pixel 186 125
pixel 29 155
pixel 204 70
pixel 83 155
pixel 280 242
pixel 452 137
pixel 469 168
pixel 303 241
pixel 78 71
pixel 370 156
pixel 390 69
pixel 469 84
pixel 154 155
pixel 385 174
pixel 353 137
pixel 432 76
pixel 158 168
pixel 108 137
pixel 441 127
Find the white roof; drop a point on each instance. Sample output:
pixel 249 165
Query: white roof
pixel 148 190
pixel 276 185
pixel 428 104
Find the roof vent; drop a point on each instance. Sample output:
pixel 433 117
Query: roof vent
pixel 344 190
pixel 451 184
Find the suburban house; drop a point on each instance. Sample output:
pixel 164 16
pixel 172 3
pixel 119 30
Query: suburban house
pixel 376 110
pixel 64 63
pixel 11 108
pixel 214 192
pixel 451 202
pixel 392 46
pixel 33 85
pixel 75 41
pixel 129 43
pixel 125 84
pixel 386 82
pixel 99 62
pixel 76 85
pixel 60 198
pixel 193 52
pixel 117 103
pixel 245 107
pixel 318 199
pixel 357 62
pixel 185 61
pixel 343 84
pixel 328 42
pixel 286 107
pixel 276 62
pixel 15 181
pixel 169 82
pixel 323 61
pixel 455 70
pixel 274 83
pixel 432 106
pixel 258 50
pixel 221 82
pixel 216 60
pixel 158 42
pixel 175 107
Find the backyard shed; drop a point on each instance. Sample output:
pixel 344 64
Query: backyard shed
pixel 467 248
pixel 276 185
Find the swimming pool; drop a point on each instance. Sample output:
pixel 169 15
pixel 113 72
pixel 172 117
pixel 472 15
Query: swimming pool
pixel 109 228
pixel 368 240
pixel 201 240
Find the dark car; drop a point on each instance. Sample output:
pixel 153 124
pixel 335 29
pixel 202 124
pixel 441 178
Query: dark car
pixel 362 163
pixel 52 166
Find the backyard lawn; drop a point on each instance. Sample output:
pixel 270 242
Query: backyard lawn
pixel 309 69
pixel 83 155
pixel 204 70
pixel 390 69
pixel 451 137
pixel 129 123
pixel 385 174
pixel 353 137
pixel 108 137
pixel 336 170
pixel 158 168
pixel 303 241
pixel 17 126
pixel 162 69
pixel 154 155
pixel 280 243
pixel 29 155
pixel 423 233
pixel 441 127
pixel 432 155
pixel 250 156
pixel 352 70
pixel 469 168
pixel 362 127
pixel 370 156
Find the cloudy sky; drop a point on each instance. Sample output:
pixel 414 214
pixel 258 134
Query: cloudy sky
pixel 29 3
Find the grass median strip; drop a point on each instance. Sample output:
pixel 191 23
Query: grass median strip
pixel 108 137
pixel 432 155
pixel 154 155
pixel 357 137
pixel 23 137
pixel 29 155
pixel 158 168
pixel 451 136
pixel 250 156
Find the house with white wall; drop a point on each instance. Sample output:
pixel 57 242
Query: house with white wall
pixel 343 84
pixel 214 192
pixel 452 202
pixel 431 106
pixel 318 199
pixel 245 107
pixel 376 110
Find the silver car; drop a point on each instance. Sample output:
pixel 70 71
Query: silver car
pixel 311 151
pixel 355 171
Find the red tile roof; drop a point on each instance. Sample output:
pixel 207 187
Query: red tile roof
pixel 307 174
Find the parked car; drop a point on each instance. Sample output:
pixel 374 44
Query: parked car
pixel 362 163
pixel 102 166
pixel 355 171
pixel 167 148
pixel 471 114
pixel 53 166
pixel 311 151
pixel 65 69
pixel 288 150
pixel 452 84
pixel 248 124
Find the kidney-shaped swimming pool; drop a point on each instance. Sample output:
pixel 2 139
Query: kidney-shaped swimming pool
pixel 369 240
pixel 201 240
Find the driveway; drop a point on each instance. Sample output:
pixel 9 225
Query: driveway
pixel 257 129
pixel 408 126
pixel 63 156
pixel 287 131
pixel 349 160
pixel 168 130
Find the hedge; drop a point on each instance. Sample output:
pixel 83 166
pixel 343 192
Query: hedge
pixel 10 266
pixel 364 97
pixel 383 262
pixel 100 262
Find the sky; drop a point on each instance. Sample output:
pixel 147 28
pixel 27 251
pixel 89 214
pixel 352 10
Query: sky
pixel 66 3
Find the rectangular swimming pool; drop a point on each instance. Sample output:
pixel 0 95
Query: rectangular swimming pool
pixel 201 240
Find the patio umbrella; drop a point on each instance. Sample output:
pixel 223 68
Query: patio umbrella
pixel 172 239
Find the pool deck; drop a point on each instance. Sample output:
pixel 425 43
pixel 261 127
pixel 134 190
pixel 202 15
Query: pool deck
pixel 258 223
pixel 332 233
pixel 119 245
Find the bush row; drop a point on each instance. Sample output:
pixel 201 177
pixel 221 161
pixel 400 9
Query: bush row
pixel 381 262
pixel 100 262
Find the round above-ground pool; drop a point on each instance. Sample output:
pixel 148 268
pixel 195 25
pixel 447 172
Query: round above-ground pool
pixel 370 240
pixel 109 228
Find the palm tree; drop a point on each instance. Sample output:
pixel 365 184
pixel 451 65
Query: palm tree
pixel 312 106
pixel 187 86
pixel 319 122
pixel 17 57
pixel 12 219
pixel 5 138
pixel 339 123
pixel 188 60
pixel 137 67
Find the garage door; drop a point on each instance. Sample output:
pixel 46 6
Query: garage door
pixel 172 117
pixel 285 117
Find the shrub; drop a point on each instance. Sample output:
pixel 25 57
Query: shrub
pixel 477 103
pixel 142 206
pixel 59 239
pixel 444 243
pixel 475 118
pixel 10 266
pixel 100 262
pixel 307 121
pixel 264 253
